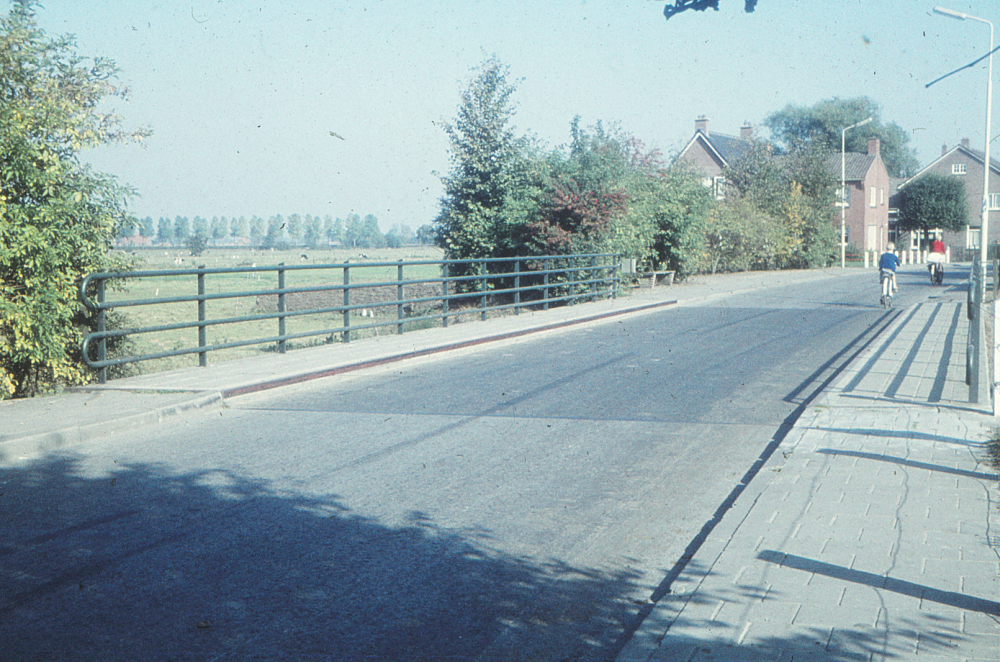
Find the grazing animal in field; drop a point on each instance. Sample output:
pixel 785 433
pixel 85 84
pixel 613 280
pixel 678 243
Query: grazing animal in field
pixel 303 257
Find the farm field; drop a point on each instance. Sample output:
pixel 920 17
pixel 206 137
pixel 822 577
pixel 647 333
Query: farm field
pixel 256 285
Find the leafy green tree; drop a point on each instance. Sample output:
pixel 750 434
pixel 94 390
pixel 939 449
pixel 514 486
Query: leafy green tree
pixel 795 127
pixel 795 192
pixel 128 229
pixel 353 231
pixel 294 227
pixel 425 234
pixel 257 227
pixel 679 206
pixel 334 229
pixel 275 232
pixel 197 244
pixel 146 227
pixel 239 227
pixel 933 202
pixel 58 216
pixel 313 231
pixel 757 177
pixel 182 229
pixel 199 227
pixel 371 234
pixel 219 228
pixel 164 230
pixel 485 165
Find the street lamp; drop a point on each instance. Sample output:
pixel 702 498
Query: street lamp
pixel 843 191
pixel 983 231
pixel 976 328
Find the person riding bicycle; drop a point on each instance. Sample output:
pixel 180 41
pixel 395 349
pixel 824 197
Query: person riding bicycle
pixel 887 264
pixel 936 257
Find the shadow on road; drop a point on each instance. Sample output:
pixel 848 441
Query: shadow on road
pixel 143 564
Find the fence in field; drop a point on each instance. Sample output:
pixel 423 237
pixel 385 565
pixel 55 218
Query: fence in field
pixel 442 290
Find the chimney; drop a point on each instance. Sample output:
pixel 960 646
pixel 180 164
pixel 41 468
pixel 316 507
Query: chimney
pixel 701 124
pixel 746 131
pixel 873 146
pixel 965 143
pixel 944 149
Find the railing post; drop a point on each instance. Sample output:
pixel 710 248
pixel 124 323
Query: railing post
pixel 482 288
pixel 281 309
pixel 444 295
pixel 102 346
pixel 399 297
pixel 593 279
pixel 347 303
pixel 202 341
pixel 546 266
pixel 616 276
pixel 572 280
pixel 517 286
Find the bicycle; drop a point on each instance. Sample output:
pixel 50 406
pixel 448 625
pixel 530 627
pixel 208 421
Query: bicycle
pixel 885 282
pixel 937 272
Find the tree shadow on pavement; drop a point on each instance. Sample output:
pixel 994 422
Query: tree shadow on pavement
pixel 727 619
pixel 144 564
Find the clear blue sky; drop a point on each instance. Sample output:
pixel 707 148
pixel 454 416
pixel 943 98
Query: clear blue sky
pixel 242 96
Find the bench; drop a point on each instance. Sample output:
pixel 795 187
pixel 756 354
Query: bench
pixel 655 277
pixel 632 275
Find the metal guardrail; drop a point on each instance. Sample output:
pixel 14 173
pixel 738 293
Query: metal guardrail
pixel 482 285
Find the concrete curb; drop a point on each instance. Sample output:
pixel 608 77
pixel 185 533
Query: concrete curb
pixel 370 363
pixel 45 442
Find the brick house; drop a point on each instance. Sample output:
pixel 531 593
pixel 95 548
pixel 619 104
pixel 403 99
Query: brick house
pixel 867 182
pixel 866 214
pixel 711 153
pixel 967 163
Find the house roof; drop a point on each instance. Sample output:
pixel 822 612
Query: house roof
pixel 856 165
pixel 729 149
pixel 976 154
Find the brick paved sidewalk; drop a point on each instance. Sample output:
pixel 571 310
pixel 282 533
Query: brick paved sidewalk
pixel 871 534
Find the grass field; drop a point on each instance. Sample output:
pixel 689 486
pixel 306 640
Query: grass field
pixel 163 287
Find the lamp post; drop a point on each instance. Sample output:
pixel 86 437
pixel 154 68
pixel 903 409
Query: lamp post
pixel 983 231
pixel 843 191
pixel 975 332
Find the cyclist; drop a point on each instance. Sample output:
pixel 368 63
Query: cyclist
pixel 887 265
pixel 936 259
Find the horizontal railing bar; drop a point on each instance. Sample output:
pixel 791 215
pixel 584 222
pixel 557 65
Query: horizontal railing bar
pixel 599 280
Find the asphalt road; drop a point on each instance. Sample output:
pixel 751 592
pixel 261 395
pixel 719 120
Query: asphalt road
pixel 522 500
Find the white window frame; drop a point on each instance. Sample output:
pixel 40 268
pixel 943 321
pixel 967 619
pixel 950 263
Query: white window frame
pixel 972 236
pixel 994 201
pixel 719 187
pixel 845 196
pixel 872 197
pixel 959 168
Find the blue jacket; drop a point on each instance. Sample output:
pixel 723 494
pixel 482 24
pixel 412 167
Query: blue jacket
pixel 888 261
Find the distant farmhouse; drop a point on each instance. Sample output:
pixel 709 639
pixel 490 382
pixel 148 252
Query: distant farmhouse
pixel 966 163
pixel 867 182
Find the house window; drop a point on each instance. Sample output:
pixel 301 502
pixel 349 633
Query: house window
pixel 958 168
pixel 994 200
pixel 719 187
pixel 845 197
pixel 872 197
pixel 881 196
pixel 972 238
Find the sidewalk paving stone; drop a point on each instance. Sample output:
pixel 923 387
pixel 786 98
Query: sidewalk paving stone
pixel 873 533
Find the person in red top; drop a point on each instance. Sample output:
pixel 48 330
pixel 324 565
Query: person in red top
pixel 935 261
